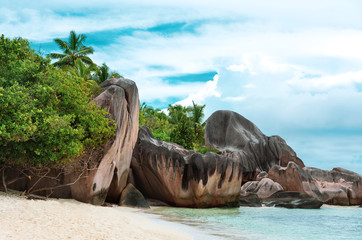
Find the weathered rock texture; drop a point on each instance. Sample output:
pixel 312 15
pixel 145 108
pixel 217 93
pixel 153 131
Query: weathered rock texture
pixel 248 199
pixel 338 187
pixel 240 139
pixel 292 200
pixel 131 197
pixel 169 173
pixel 108 175
pixel 122 102
pixel 263 188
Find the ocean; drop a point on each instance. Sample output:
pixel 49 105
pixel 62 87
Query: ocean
pixel 267 223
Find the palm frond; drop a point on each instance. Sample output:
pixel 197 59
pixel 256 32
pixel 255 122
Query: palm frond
pixel 86 60
pixel 63 45
pixel 56 55
pixel 72 40
pixel 115 75
pixel 70 70
pixel 93 67
pixel 85 51
pixel 72 50
pixel 81 40
pixel 66 60
pixel 91 82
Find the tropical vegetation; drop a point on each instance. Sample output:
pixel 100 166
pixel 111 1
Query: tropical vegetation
pixel 46 117
pixel 178 124
pixel 72 50
pixel 45 112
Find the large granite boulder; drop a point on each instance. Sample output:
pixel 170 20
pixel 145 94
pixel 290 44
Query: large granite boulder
pixel 238 138
pixel 263 188
pixel 120 98
pixel 338 187
pixel 167 172
pixel 292 200
pixel 106 168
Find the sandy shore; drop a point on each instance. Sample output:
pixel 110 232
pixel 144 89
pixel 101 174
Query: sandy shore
pixel 54 219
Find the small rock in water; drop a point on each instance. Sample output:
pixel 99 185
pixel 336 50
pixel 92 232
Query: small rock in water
pixel 250 200
pixel 292 200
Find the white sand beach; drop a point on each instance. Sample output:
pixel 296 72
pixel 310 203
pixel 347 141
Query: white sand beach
pixel 57 219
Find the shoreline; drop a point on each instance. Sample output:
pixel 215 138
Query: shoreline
pixel 201 228
pixel 177 223
pixel 23 218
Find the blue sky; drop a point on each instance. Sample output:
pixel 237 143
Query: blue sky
pixel 294 68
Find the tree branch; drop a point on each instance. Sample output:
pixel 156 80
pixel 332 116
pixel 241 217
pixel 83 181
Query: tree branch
pixel 3 179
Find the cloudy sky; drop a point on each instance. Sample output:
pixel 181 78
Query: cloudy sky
pixel 294 68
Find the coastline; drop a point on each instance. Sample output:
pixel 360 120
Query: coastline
pixel 191 228
pixel 22 218
pixel 258 223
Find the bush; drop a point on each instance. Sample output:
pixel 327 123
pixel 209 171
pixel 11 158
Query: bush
pixel 45 114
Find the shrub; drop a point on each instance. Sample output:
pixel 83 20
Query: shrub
pixel 45 114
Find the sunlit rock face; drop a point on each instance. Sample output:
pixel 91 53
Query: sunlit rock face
pixel 238 138
pixel 106 182
pixel 167 172
pixel 263 188
pixel 337 187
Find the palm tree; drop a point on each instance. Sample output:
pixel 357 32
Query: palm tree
pixel 196 114
pixel 81 70
pixel 103 73
pixel 177 113
pixel 72 50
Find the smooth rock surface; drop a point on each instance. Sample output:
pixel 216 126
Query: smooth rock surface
pixel 263 189
pixel 292 200
pixel 238 138
pixel 261 175
pixel 120 98
pixel 337 187
pixel 249 199
pixel 167 172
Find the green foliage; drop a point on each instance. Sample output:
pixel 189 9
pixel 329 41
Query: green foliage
pixel 183 130
pixel 182 125
pixel 85 72
pixel 19 63
pixel 196 113
pixel 45 115
pixel 72 50
pixel 183 133
pixel 204 150
pixel 103 73
pixel 156 121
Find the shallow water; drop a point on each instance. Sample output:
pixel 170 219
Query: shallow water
pixel 270 223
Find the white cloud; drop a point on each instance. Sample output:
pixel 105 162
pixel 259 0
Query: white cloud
pixel 237 68
pixel 150 89
pixel 288 66
pixel 199 97
pixel 327 82
pixel 234 99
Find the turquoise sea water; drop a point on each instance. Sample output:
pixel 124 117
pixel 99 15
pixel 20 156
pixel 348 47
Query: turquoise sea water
pixel 270 223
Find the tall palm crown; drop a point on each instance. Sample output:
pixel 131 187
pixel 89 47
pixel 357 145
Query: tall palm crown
pixel 72 50
pixel 177 113
pixel 103 73
pixel 197 113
